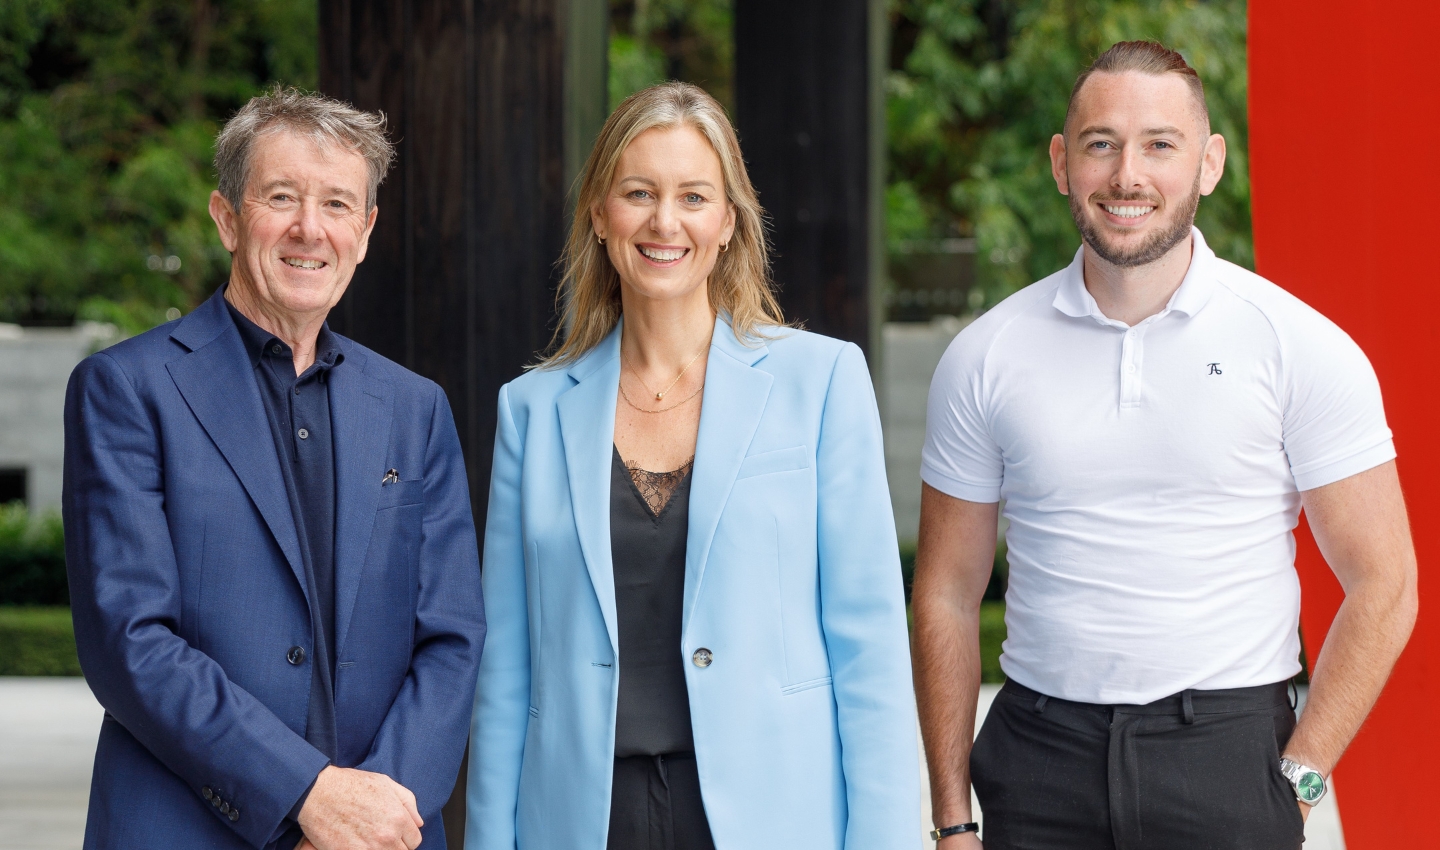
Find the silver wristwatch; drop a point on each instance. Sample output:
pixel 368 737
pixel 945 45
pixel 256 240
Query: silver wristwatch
pixel 1309 785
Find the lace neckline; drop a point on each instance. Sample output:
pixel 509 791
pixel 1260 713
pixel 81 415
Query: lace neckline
pixel 657 488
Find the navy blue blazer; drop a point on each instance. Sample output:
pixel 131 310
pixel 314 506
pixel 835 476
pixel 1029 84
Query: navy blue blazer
pixel 187 588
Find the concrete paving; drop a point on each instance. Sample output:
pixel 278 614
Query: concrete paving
pixel 48 729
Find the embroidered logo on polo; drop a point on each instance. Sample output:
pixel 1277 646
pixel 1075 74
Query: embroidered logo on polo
pixel 1214 369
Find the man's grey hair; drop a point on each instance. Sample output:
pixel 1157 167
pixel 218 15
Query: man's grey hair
pixel 325 120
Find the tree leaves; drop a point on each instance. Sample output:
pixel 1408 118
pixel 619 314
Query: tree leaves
pixel 108 113
pixel 977 89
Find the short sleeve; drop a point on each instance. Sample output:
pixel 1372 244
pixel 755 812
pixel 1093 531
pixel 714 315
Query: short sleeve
pixel 961 458
pixel 1334 419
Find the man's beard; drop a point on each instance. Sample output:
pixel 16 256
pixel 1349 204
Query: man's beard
pixel 1153 248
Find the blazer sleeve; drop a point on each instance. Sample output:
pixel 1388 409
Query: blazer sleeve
pixel 422 738
pixel 125 598
pixel 862 613
pixel 502 697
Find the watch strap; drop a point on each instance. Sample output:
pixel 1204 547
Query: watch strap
pixel 946 831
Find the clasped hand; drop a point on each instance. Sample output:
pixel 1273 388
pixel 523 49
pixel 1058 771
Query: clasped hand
pixel 359 810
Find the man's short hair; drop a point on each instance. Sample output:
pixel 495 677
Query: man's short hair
pixel 325 120
pixel 1142 57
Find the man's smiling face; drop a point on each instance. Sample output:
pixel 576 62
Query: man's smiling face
pixel 1134 160
pixel 302 226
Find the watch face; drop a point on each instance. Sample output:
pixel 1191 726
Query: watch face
pixel 1311 786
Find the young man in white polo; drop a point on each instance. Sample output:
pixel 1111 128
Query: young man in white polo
pixel 1154 419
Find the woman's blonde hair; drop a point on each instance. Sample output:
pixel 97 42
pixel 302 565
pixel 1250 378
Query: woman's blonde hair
pixel 740 285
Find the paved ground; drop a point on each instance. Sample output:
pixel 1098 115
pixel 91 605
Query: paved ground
pixel 47 742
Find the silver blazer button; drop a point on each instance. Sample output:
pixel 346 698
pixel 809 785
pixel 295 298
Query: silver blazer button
pixel 702 657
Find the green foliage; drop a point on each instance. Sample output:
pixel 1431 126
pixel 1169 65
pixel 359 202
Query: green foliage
pixel 38 642
pixel 992 636
pixel 978 87
pixel 32 558
pixel 652 41
pixel 108 112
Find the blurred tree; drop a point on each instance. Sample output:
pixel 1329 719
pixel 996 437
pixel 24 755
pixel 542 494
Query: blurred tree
pixel 978 87
pixel 652 41
pixel 108 112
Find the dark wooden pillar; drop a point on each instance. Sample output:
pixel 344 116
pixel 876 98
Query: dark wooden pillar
pixel 494 104
pixel 810 111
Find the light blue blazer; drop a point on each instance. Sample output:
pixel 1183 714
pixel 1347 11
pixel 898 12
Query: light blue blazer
pixel 805 721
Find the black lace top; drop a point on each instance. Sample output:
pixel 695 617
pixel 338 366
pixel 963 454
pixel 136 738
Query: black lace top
pixel 649 521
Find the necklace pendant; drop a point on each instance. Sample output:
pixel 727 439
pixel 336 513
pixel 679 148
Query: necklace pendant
pixel 659 396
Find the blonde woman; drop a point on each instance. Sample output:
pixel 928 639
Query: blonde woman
pixel 696 625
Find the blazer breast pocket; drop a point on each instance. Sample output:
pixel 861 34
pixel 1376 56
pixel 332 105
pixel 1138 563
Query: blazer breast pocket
pixel 401 493
pixel 780 460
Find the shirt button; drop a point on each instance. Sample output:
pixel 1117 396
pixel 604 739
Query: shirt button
pixel 296 655
pixel 1130 369
pixel 303 434
pixel 275 349
pixel 702 657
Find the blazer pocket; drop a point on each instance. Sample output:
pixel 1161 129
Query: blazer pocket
pixel 401 493
pixel 805 686
pixel 780 460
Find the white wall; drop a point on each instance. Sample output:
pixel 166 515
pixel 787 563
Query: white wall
pixel 35 364
pixel 911 352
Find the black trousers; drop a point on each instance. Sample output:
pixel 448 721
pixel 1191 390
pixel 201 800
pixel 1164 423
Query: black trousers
pixel 655 805
pixel 1194 771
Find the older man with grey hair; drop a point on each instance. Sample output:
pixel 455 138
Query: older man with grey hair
pixel 273 563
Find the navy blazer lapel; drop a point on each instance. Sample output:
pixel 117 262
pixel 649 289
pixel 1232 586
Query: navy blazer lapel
pixel 734 401
pixel 361 413
pixel 217 381
pixel 587 427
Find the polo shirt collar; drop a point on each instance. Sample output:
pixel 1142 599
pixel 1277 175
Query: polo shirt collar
pixel 256 339
pixel 1073 299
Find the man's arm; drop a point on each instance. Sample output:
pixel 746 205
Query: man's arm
pixel 952 567
pixel 1362 530
pixel 422 738
pixel 126 594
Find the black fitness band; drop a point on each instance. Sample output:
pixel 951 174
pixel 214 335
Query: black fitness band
pixel 947 831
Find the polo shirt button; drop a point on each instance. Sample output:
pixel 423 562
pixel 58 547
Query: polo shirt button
pixel 296 655
pixel 207 793
pixel 703 657
pixel 303 434
pixel 234 815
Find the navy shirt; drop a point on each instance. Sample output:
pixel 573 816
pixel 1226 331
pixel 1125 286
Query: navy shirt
pixel 298 408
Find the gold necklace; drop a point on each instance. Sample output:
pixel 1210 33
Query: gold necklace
pixel 683 401
pixel 660 396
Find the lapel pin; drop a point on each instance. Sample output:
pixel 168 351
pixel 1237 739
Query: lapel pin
pixel 391 477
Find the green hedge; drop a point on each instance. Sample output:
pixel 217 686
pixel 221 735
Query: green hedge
pixel 38 641
pixel 32 558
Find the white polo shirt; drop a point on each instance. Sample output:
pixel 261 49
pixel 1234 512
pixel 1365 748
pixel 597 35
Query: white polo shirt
pixel 1151 474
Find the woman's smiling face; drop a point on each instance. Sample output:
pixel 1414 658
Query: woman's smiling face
pixel 666 214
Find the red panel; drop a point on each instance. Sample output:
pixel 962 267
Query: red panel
pixel 1344 119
